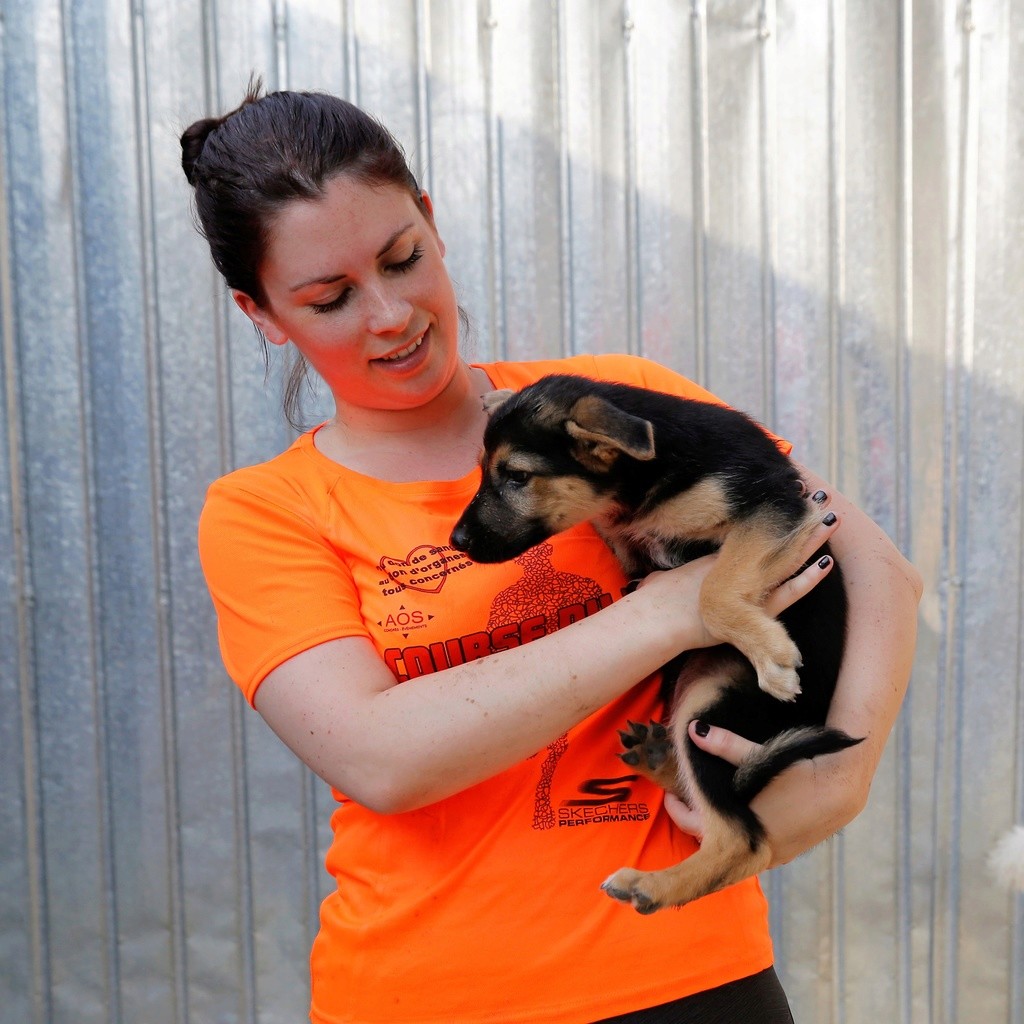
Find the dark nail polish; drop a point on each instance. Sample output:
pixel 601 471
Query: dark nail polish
pixel 829 519
pixel 701 728
pixel 823 563
pixel 819 496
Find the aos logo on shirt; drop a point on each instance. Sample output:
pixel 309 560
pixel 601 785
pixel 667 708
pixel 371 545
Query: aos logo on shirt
pixel 404 621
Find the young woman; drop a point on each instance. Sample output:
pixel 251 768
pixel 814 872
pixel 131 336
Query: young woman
pixel 466 715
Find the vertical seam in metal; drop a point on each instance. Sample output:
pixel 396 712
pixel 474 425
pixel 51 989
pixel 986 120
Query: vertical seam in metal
pixel 838 927
pixel 423 69
pixel 87 435
pixel 282 70
pixel 247 995
pixel 1016 951
pixel 837 221
pixel 701 186
pixel 904 344
pixel 631 192
pixel 157 483
pixel 967 198
pixel 351 53
pixel 767 34
pixel 35 834
pixel 311 860
pixel 905 200
pixel 565 234
pixel 837 296
pixel 222 355
pixel 495 190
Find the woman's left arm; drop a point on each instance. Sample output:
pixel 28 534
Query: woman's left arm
pixel 814 799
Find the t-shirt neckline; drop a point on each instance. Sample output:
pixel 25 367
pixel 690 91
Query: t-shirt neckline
pixel 307 444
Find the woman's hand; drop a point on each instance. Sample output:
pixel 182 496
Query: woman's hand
pixel 682 585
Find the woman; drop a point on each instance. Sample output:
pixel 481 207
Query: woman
pixel 465 715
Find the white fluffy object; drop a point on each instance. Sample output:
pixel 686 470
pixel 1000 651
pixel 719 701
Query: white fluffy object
pixel 1007 859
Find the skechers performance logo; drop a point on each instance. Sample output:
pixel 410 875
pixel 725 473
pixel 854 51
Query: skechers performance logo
pixel 604 800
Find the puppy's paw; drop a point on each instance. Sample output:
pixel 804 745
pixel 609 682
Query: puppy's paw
pixel 777 668
pixel 780 682
pixel 650 750
pixel 626 886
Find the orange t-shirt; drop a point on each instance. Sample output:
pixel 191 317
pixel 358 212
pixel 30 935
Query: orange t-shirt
pixel 483 907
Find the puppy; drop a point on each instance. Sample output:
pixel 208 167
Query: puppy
pixel 664 480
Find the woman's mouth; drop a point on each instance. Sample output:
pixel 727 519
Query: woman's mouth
pixel 405 352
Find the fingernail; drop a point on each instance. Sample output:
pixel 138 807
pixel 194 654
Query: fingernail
pixel 819 496
pixel 823 563
pixel 829 519
pixel 701 728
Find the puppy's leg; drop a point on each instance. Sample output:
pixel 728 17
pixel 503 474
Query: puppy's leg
pixel 755 556
pixel 727 853
pixel 724 858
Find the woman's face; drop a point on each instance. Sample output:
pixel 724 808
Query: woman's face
pixel 356 281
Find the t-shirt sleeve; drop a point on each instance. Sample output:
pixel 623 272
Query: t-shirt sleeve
pixel 277 585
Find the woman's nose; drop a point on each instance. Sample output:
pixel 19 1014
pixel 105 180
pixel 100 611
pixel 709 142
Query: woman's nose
pixel 388 311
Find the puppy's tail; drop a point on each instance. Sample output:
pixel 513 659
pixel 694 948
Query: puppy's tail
pixel 784 750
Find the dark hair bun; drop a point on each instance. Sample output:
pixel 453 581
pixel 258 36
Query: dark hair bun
pixel 193 138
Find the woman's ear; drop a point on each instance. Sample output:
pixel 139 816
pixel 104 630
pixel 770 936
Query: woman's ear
pixel 260 317
pixel 428 210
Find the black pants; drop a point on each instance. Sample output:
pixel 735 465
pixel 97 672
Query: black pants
pixel 758 999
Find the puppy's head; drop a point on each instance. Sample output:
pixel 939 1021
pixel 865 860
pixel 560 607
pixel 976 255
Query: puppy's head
pixel 550 461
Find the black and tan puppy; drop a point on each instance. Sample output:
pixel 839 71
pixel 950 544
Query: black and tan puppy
pixel 665 479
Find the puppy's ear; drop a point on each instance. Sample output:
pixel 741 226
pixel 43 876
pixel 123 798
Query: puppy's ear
pixel 493 400
pixel 605 431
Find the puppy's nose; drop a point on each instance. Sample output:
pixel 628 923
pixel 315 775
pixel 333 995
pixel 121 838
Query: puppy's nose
pixel 460 537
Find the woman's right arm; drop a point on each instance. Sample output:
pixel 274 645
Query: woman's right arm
pixel 396 747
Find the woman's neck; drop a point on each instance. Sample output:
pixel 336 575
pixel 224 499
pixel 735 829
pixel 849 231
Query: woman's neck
pixel 437 441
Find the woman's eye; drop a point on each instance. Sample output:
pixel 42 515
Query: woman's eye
pixel 414 258
pixel 401 268
pixel 327 307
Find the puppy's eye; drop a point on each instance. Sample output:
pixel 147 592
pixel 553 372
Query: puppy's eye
pixel 517 476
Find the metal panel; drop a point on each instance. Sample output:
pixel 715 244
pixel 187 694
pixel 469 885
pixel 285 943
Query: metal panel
pixel 813 208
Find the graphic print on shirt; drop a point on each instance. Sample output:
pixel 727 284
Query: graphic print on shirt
pixel 541 602
pixel 424 570
pixel 543 590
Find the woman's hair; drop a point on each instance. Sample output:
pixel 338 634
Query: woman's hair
pixel 273 149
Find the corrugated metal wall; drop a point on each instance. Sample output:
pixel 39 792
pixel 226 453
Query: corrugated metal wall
pixel 815 207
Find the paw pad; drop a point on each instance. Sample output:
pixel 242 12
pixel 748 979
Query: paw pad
pixel 646 745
